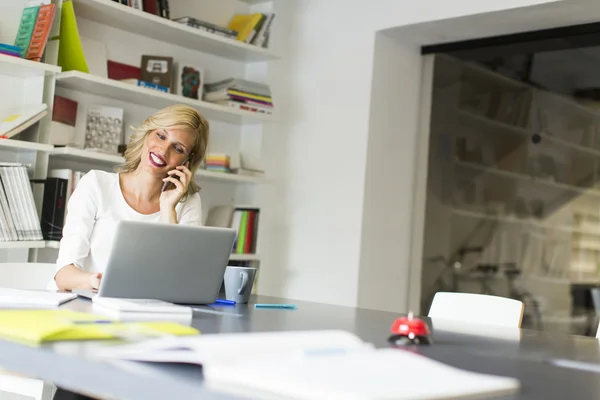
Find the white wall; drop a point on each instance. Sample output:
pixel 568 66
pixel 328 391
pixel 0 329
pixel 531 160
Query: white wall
pixel 315 226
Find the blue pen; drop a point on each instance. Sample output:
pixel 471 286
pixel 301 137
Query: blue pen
pixel 98 321
pixel 225 302
pixel 286 306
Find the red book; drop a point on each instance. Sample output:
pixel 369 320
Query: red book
pixel 41 31
pixel 64 110
pixel 119 71
pixel 151 6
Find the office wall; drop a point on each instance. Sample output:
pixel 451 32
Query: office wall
pixel 320 215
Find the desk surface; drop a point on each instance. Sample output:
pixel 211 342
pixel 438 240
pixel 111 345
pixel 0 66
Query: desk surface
pixel 66 363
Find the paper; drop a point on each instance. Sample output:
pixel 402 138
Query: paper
pixel 232 346
pixel 354 375
pixel 19 297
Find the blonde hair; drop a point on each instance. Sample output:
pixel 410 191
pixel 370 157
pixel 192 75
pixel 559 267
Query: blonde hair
pixel 177 116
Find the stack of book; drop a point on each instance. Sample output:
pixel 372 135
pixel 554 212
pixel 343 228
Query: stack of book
pixel 207 27
pixel 240 94
pixel 218 162
pixel 19 220
pixel 245 223
pixel 9 50
pixel 34 29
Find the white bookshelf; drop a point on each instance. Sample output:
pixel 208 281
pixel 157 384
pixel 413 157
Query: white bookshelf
pixel 22 245
pixel 132 94
pixel 75 154
pixel 234 257
pixel 254 2
pixel 93 157
pixel 24 146
pixel 127 34
pixel 21 68
pixel 244 257
pixel 151 26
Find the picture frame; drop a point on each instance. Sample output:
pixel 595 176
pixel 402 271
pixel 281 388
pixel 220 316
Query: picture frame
pixel 189 81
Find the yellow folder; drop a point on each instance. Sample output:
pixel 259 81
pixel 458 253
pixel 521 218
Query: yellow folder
pixel 37 326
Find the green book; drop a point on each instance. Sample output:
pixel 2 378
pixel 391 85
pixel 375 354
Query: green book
pixel 26 27
pixel 242 233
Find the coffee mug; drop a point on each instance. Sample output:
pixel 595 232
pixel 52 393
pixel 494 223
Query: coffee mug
pixel 238 283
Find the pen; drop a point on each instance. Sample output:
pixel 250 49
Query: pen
pixel 226 302
pixel 286 306
pixel 98 321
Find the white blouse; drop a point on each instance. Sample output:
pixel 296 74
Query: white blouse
pixel 94 208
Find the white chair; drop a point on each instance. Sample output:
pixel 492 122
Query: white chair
pixel 478 309
pixel 26 276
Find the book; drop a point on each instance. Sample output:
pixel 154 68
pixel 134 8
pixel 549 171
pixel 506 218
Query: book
pixel 17 120
pixel 19 217
pixel 26 28
pixel 39 326
pixel 149 85
pixel 158 70
pixel 238 105
pixel 245 25
pixel 54 207
pixel 41 32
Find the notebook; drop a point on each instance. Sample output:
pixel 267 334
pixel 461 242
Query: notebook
pixel 20 298
pixel 37 326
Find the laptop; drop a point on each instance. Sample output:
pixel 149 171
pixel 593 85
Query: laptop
pixel 176 263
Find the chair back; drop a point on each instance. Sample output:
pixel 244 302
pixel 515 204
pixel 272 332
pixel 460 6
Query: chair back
pixel 477 308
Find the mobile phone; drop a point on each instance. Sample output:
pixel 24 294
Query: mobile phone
pixel 164 186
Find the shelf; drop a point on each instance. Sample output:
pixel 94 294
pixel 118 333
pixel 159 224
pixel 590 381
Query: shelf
pixel 254 2
pixel 244 257
pixel 222 176
pixel 22 68
pixel 527 133
pixel 526 221
pixel 151 26
pixel 126 92
pixel 75 154
pixel 52 244
pixel 515 175
pixel 23 145
pixel 23 245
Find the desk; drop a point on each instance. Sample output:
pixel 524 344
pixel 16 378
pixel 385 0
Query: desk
pixel 66 363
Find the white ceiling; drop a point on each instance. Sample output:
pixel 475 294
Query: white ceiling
pixel 544 16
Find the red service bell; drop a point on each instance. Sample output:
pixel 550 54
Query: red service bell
pixel 409 330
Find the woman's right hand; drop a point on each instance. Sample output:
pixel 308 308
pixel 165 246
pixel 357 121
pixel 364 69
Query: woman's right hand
pixel 94 279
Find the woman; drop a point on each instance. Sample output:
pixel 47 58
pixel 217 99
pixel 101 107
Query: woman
pixel 166 149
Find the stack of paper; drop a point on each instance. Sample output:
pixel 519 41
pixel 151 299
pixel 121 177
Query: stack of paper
pixel 314 365
pixel 142 309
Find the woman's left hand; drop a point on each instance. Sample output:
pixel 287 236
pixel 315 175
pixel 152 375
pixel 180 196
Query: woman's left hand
pixel 171 196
